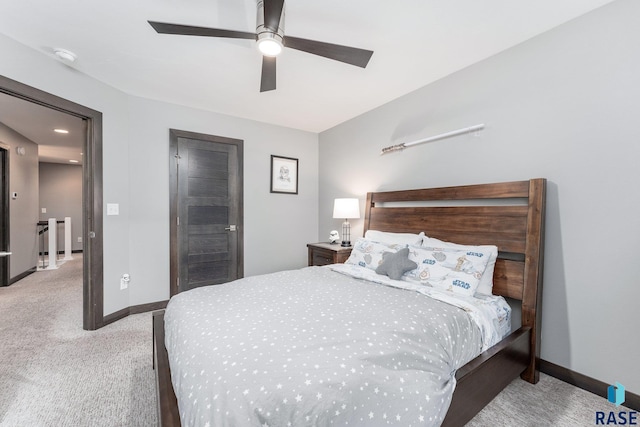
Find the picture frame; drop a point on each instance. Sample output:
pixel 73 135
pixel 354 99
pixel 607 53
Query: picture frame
pixel 284 175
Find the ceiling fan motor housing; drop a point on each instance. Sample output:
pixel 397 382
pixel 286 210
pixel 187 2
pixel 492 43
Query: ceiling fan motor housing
pixel 266 34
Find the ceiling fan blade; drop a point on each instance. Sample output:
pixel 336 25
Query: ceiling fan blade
pixel 189 30
pixel 268 80
pixel 346 54
pixel 272 13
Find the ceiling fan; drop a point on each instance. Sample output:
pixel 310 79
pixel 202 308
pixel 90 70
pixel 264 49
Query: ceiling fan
pixel 271 39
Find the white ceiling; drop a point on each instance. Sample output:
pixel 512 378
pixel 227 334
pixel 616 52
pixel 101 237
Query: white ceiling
pixel 415 42
pixel 37 123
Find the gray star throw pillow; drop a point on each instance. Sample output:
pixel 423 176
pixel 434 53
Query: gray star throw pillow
pixel 396 264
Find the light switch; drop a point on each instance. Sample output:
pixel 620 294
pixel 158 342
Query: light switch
pixel 43 210
pixel 113 209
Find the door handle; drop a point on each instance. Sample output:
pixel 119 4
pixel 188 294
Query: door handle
pixel 5 253
pixel 231 228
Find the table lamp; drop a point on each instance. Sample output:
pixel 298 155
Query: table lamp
pixel 346 208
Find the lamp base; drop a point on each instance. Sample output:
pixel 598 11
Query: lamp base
pixel 346 234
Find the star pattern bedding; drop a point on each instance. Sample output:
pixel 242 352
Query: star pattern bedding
pixel 316 347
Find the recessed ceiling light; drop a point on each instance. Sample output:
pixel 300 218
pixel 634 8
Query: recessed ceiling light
pixel 65 55
pixel 61 131
pixel 74 161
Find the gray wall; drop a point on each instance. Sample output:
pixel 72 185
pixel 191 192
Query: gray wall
pixel 61 195
pixel 563 106
pixel 136 175
pixel 277 226
pixel 40 71
pixel 23 179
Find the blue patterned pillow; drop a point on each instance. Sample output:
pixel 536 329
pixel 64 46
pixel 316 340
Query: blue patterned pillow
pixel 486 282
pixel 452 270
pixel 367 253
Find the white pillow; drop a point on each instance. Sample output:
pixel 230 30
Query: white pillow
pixel 394 238
pixel 367 253
pixel 486 282
pixel 448 269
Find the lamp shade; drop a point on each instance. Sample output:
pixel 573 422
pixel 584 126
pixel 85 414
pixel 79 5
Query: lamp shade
pixel 346 208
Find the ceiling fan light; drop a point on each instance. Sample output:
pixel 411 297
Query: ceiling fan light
pixel 270 46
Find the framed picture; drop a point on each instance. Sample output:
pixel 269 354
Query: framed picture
pixel 284 175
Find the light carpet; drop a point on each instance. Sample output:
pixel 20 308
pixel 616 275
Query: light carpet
pixel 53 373
pixel 550 403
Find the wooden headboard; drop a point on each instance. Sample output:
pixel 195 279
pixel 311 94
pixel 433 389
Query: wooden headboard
pixel 509 215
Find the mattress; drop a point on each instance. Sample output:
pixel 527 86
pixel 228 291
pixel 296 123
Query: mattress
pixel 320 347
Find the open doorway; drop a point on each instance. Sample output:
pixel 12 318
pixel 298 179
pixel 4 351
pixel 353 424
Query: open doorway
pixel 91 190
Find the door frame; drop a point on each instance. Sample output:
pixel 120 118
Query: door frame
pixel 92 241
pixel 174 134
pixel 5 242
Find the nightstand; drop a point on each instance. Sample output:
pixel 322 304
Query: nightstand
pixel 326 253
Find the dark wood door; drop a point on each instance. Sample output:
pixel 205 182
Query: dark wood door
pixel 4 216
pixel 206 244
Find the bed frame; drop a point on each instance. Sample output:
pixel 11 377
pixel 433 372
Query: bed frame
pixel 509 215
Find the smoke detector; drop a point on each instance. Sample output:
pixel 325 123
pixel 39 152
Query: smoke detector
pixel 65 55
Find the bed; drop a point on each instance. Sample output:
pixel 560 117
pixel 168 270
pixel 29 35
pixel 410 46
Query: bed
pixel 509 215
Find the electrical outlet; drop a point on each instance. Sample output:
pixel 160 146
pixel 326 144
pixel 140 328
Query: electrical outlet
pixel 79 239
pixel 124 281
pixel 44 210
